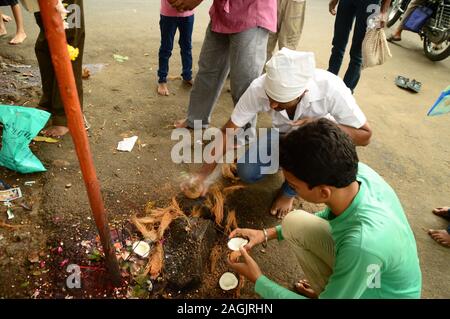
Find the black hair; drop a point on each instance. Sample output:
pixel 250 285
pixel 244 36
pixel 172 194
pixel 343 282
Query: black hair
pixel 320 153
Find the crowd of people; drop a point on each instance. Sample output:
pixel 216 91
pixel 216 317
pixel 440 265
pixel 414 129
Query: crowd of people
pixel 363 237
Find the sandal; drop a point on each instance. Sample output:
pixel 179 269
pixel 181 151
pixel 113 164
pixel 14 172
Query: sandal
pixel 402 82
pixel 414 86
pixel 391 39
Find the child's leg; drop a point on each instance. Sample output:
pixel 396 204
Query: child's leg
pixel 186 27
pixel 20 33
pixel 168 27
pixel 2 25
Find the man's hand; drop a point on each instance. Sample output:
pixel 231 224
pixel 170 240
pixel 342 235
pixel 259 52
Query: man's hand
pixel 195 186
pixel 332 6
pixel 382 20
pixel 184 5
pixel 248 268
pixel 254 236
pixel 302 121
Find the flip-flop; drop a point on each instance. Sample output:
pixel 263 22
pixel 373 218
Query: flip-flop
pixel 414 86
pixel 402 82
pixel 391 38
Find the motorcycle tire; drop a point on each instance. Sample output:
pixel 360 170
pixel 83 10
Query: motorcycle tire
pixel 435 57
pixel 397 15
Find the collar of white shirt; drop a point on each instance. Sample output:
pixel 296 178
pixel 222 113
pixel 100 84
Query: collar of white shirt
pixel 314 94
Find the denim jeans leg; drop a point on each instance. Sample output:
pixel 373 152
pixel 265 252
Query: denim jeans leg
pixel 288 190
pixel 252 166
pixel 186 26
pixel 168 27
pixel 353 73
pixel 267 161
pixel 345 16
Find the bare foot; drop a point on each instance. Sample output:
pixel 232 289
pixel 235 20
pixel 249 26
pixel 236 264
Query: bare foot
pixel 181 123
pixel 441 236
pixel 189 83
pixel 55 131
pixel 282 205
pixel 304 288
pixel 442 211
pixel 163 89
pixel 18 39
pixel 3 29
pixel 6 18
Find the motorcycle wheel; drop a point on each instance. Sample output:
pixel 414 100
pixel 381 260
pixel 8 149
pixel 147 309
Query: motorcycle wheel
pixel 436 54
pixel 394 13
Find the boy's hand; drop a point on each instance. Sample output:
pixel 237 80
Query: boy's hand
pixel 254 236
pixel 249 268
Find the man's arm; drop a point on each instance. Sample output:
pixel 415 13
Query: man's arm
pixel 385 4
pixel 360 136
pixel 245 110
pixel 220 146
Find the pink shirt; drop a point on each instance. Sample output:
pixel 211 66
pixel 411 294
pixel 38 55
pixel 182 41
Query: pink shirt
pixel 233 16
pixel 168 11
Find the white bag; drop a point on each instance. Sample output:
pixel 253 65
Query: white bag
pixel 30 5
pixel 375 49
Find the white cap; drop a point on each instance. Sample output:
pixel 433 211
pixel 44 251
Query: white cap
pixel 288 73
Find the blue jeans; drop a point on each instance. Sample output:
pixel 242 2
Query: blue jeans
pixel 252 172
pixel 347 12
pixel 168 27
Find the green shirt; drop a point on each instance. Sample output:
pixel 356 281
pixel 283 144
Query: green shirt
pixel 376 253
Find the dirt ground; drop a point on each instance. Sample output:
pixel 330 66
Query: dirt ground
pixel 409 149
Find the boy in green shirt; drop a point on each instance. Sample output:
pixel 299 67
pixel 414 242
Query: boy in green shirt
pixel 360 246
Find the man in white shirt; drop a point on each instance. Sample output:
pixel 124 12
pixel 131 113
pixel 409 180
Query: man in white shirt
pixel 293 92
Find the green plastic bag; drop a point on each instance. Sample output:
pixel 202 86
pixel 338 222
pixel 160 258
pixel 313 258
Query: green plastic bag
pixel 20 126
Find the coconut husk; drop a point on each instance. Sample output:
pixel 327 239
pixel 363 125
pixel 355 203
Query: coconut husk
pixel 230 189
pixel 145 231
pixel 155 263
pixel 165 222
pixel 157 220
pixel 196 212
pixel 231 222
pixel 176 209
pixel 229 171
pixel 215 203
pixel 149 219
pixel 4 225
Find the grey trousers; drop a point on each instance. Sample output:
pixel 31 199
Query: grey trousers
pixel 242 55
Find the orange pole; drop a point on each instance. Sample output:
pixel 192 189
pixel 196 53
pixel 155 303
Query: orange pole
pixel 56 38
